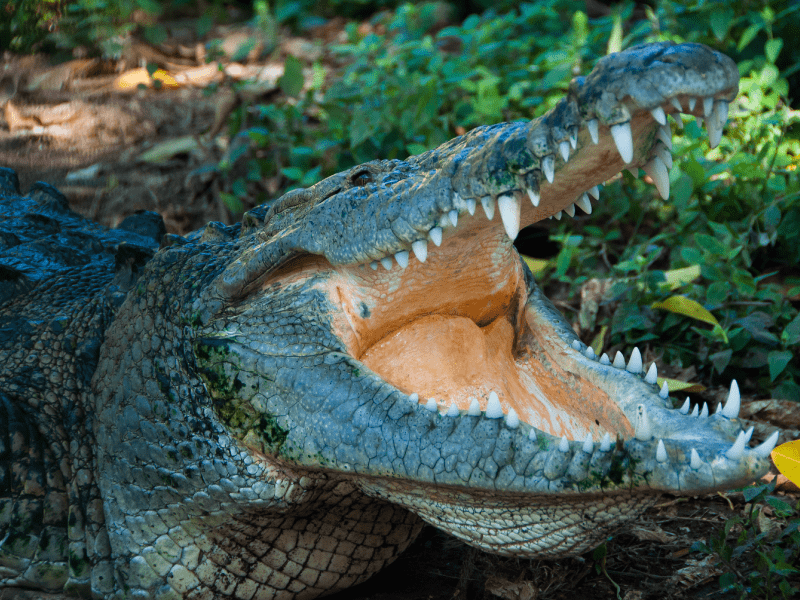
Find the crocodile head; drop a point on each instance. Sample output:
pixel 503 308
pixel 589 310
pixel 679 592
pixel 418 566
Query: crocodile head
pixel 382 324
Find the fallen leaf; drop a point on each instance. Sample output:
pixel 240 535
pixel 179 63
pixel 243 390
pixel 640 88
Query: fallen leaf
pixel 534 264
pixel 685 306
pixel 787 458
pixel 676 385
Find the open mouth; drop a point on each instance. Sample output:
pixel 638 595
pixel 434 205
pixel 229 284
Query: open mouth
pixel 439 373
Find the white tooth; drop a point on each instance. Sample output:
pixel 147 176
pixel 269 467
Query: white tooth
pixel 635 363
pixel 588 445
pixel 374 265
pixel 604 360
pixel 658 115
pixel 721 112
pixel 677 104
pixel 661 452
pixel 733 403
pixel 570 210
pixel 664 154
pixel 718 409
pixel 474 409
pixel 692 102
pixel 708 106
pixel 436 236
pixel 387 263
pixel 605 445
pixel 414 397
pixel 534 196
pixel 420 248
pixel 685 408
pixel 558 215
pixel 453 410
pixel 748 434
pixel 623 140
pixel 512 420
pixel 470 202
pixel 700 121
pixel 493 408
pixel 402 258
pixel 487 202
pixel 584 203
pixel 589 353
pixel 563 445
pixel 695 461
pixel 591 125
pixel 643 431
pixel 714 132
pixel 665 135
pixel 576 345
pixel 509 213
pixel 453 215
pixel 532 435
pixel 564 149
pixel 678 120
pixel 619 360
pixel 594 192
pixel 695 410
pixel 664 391
pixel 659 174
pixel 652 374
pixel 765 449
pixel 573 139
pixel 704 410
pixel 431 404
pixel 736 451
pixel 549 167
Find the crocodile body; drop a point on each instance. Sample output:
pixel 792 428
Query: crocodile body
pixel 273 409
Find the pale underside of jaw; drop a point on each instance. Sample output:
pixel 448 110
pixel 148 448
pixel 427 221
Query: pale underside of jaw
pixel 454 367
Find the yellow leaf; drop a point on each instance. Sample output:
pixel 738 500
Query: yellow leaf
pixel 536 265
pixel 787 458
pixel 168 149
pixel 684 306
pixel 677 277
pixel 597 342
pixel 676 385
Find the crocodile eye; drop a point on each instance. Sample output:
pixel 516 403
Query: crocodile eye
pixel 361 178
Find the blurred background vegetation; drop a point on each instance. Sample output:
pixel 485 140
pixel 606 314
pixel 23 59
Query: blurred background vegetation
pixel 402 78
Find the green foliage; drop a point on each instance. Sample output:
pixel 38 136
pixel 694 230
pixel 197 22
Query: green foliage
pixel 758 555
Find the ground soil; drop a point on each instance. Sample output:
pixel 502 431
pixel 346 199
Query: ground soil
pixel 91 144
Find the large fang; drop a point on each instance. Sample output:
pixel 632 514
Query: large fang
pixel 592 126
pixel 584 203
pixel 735 452
pixel 658 115
pixel 714 131
pixel 564 148
pixel 570 210
pixel 635 362
pixel 509 214
pixel 658 173
pixel 453 216
pixel 643 430
pixel 420 248
pixel 661 452
pixel 708 106
pixel 623 138
pixel 487 202
pixel 436 235
pixel 387 263
pixel 734 401
pixel 470 202
pixel 594 192
pixel 549 168
pixel 676 103
pixel 695 461
pixel 402 258
pixel 534 196
pixel 665 135
pixel 493 408
pixel 765 449
pixel 652 374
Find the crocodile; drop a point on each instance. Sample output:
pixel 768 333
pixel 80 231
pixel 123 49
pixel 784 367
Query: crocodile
pixel 274 409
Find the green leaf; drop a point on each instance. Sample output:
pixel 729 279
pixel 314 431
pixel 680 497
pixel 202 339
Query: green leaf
pixel 778 359
pixel 291 82
pixel 720 360
pixel 615 39
pixel 748 36
pixel 720 22
pixel 772 48
pixel 791 333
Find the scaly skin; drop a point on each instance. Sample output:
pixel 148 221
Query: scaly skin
pixel 267 411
